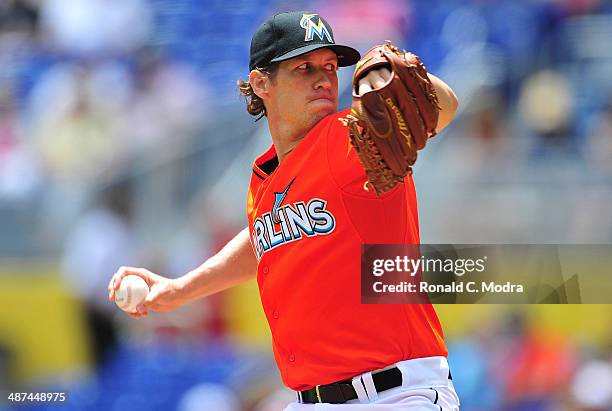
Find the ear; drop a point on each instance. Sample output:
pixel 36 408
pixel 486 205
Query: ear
pixel 260 82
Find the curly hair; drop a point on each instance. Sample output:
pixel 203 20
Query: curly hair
pixel 255 105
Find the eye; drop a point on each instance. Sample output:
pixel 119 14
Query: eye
pixel 303 66
pixel 331 67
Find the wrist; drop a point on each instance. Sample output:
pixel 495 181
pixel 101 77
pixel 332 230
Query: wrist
pixel 189 286
pixel 181 288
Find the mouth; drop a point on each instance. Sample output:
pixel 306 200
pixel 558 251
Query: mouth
pixel 321 95
pixel 322 100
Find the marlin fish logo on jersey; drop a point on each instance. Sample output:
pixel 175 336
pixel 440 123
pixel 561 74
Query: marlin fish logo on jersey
pixel 278 200
pixel 312 28
pixel 286 223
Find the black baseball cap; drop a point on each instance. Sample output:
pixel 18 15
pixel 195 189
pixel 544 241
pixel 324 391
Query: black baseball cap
pixel 291 34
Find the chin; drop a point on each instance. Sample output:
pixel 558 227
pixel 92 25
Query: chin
pixel 314 118
pixel 323 112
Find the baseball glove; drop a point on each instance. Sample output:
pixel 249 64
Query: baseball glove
pixel 387 126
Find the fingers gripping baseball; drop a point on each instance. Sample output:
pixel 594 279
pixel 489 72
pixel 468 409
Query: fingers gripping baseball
pixel 163 293
pixel 115 281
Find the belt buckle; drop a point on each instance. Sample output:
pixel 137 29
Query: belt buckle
pixel 318 393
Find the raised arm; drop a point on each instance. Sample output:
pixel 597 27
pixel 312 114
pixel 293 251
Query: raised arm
pixel 233 265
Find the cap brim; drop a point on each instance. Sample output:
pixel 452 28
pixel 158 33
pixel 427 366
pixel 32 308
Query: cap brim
pixel 347 56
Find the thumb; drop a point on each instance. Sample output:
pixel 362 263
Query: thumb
pixel 153 295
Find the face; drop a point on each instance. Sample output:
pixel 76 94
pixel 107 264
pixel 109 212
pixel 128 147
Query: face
pixel 304 89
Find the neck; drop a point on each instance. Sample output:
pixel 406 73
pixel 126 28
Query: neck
pixel 285 137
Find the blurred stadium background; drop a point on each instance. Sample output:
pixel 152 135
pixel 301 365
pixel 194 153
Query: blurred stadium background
pixel 123 141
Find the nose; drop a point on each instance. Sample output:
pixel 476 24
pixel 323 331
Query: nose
pixel 323 81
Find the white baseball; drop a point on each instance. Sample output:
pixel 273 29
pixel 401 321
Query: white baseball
pixel 132 291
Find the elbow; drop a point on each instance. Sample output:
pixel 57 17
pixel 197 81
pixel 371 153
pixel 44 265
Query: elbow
pixel 449 106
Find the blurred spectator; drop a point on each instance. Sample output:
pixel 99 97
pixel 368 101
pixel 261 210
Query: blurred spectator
pixel 482 143
pixel 206 396
pixel 96 27
pixel 100 242
pixel 7 359
pixel 599 140
pixel 592 386
pixel 207 229
pixel 8 123
pixel 547 105
pixel 78 141
pixel 275 401
pixel 537 369
pixel 18 17
pixel 471 374
pixel 168 105
pixel 20 174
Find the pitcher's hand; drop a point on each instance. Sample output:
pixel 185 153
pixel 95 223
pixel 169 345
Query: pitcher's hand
pixel 375 79
pixel 164 293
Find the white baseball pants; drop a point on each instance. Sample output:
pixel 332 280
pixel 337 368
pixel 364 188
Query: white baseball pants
pixel 425 387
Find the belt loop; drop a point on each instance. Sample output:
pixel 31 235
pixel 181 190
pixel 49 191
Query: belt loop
pixel 318 394
pixel 368 383
pixel 299 396
pixel 360 389
pixel 405 374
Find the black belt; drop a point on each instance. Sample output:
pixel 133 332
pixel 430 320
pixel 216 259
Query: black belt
pixel 343 391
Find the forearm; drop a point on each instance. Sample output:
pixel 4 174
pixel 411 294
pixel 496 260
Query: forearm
pixel 447 99
pixel 233 265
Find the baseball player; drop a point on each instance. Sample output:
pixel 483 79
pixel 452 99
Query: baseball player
pixel 315 197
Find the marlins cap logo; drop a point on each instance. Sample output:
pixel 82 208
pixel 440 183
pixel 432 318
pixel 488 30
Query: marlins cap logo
pixel 307 22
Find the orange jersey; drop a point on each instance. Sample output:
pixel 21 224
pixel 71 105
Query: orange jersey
pixel 308 218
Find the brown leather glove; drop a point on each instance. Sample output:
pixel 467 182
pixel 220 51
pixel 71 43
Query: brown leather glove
pixel 387 126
